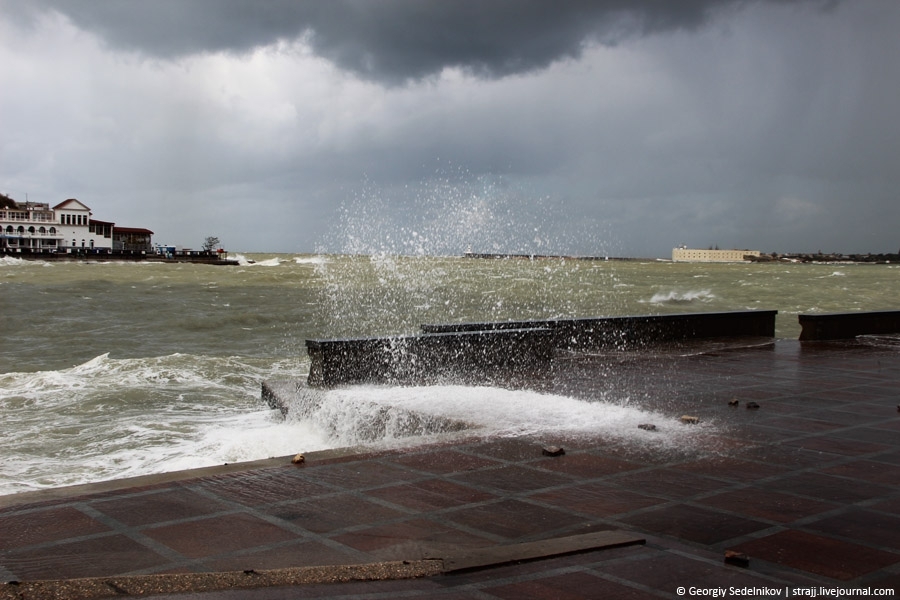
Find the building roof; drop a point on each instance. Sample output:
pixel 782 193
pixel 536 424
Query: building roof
pixel 132 230
pixel 71 204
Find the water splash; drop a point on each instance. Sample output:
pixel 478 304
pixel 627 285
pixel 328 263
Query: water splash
pixel 386 415
pixel 393 272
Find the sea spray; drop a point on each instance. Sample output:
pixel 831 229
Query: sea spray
pixel 385 415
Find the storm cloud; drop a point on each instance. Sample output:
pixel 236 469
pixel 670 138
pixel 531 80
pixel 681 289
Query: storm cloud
pixel 392 40
pixel 608 127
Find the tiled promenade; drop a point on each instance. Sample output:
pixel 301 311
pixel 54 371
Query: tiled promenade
pixel 807 486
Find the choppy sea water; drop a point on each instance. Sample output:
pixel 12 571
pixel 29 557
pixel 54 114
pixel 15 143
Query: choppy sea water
pixel 117 369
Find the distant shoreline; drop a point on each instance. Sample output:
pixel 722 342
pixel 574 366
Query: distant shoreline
pixel 765 258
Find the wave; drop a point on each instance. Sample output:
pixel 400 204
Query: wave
pixel 246 262
pixel 111 418
pixel 12 261
pixel 674 297
pixel 311 260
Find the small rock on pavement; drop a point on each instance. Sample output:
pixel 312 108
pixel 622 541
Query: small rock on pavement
pixel 734 402
pixel 752 405
pixel 552 451
pixel 298 460
pixel 690 420
pixel 738 559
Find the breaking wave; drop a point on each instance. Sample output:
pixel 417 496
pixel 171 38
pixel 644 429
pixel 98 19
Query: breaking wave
pixel 111 418
pixel 675 297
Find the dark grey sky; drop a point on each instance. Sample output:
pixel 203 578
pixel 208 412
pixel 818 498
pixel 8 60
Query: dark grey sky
pixel 617 127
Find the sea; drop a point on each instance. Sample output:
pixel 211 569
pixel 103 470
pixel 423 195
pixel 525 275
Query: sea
pixel 117 369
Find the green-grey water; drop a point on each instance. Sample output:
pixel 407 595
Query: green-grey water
pixel 118 369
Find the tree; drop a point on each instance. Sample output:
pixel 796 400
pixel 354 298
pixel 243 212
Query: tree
pixel 210 243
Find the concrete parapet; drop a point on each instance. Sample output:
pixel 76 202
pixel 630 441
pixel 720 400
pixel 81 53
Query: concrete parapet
pixel 836 326
pixel 509 353
pixel 466 356
pixel 630 332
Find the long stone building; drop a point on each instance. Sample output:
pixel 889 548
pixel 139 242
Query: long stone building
pixel 682 254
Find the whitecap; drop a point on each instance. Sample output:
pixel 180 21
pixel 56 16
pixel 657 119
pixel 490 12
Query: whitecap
pixel 675 297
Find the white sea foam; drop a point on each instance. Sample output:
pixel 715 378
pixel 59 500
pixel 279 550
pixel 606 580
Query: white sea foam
pixel 246 262
pixel 12 261
pixel 366 414
pixel 311 260
pixel 110 418
pixel 676 297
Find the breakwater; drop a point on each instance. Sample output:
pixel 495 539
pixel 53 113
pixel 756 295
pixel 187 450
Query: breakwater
pixel 488 353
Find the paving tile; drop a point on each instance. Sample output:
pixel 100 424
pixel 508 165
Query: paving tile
pixel 595 561
pixel 513 478
pixel 444 461
pixel 766 504
pixel 514 519
pixel 695 524
pixel 596 499
pixel 333 513
pixel 827 487
pixel 863 526
pixel 266 486
pixel 218 535
pixel 818 554
pixel 512 449
pixel 357 474
pixel 586 465
pixel 167 505
pixel 666 572
pixel 731 468
pixel 411 539
pixel 891 505
pixel 571 586
pixel 838 445
pixel 800 425
pixel 96 557
pixel 668 483
pixel 26 529
pixel 297 554
pixel 872 434
pixel 868 470
pixel 892 458
pixel 431 494
pixel 889 425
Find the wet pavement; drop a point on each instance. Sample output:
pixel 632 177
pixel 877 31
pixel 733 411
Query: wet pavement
pixel 805 489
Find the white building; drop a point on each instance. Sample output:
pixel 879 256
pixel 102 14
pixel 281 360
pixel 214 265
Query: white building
pixel 67 227
pixel 682 254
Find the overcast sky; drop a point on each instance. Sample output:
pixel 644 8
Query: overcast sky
pixel 612 127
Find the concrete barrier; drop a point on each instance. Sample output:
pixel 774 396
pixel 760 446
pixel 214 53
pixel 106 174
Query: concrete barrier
pixel 468 357
pixel 509 353
pixel 836 326
pixel 634 332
